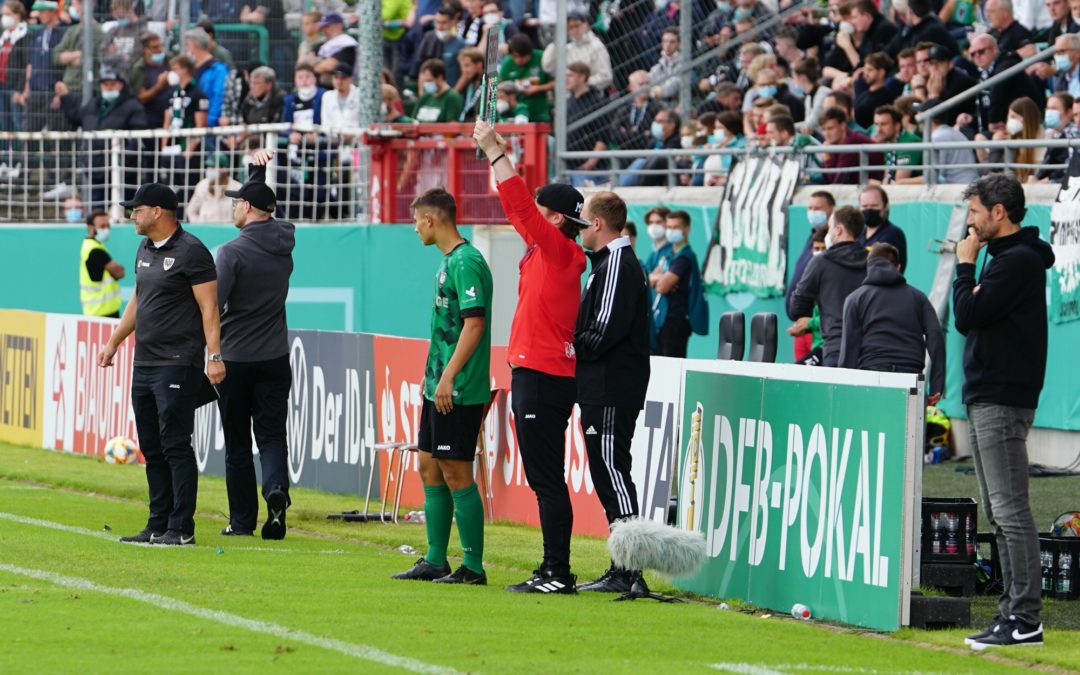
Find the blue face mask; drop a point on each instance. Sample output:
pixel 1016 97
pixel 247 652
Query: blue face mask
pixel 723 6
pixel 718 136
pixel 1063 63
pixel 796 90
pixel 817 218
pixel 675 236
pixel 768 90
pixel 73 13
pixel 657 130
pixel 122 22
pixel 157 58
pixel 1052 119
pixel 430 88
pixel 109 95
pixel 741 14
pixel 73 215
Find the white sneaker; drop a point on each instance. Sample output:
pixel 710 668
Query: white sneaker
pixel 59 191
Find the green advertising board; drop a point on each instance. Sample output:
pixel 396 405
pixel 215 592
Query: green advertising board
pixel 804 490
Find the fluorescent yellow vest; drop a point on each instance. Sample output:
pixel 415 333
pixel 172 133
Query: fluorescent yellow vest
pixel 99 298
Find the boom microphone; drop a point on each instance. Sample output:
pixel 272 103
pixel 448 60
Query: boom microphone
pixel 642 544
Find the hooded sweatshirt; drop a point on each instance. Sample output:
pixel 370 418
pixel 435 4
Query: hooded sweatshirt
pixel 827 281
pixel 889 326
pixel 1005 321
pixel 253 282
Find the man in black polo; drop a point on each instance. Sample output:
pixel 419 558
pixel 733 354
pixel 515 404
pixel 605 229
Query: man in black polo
pixel 177 319
pixel 253 282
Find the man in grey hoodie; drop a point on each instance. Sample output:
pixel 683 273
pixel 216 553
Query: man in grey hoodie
pixel 890 326
pixel 829 279
pixel 253 282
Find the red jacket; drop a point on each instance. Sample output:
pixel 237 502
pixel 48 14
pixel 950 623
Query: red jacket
pixel 542 333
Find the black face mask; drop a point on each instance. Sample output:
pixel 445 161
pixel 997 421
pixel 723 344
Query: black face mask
pixel 872 217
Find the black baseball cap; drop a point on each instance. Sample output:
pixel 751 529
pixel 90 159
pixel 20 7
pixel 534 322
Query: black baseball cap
pixel 152 194
pixel 939 53
pixel 342 69
pixel 258 194
pixel 564 199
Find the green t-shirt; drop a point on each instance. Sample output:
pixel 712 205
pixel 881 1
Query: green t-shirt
pixel 519 113
pixel 432 108
pixel 529 74
pixel 463 289
pixel 396 11
pixel 905 158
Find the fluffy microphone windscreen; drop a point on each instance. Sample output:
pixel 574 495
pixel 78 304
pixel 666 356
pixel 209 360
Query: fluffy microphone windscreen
pixel 641 544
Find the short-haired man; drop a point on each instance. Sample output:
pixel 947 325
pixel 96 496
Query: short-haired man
pixel 874 204
pixel 339 49
pixel 150 79
pixel 888 129
pixel 829 279
pixel 835 131
pixel 875 87
pixel 890 326
pixel 612 344
pixel 1012 36
pixel 456 391
pixel 582 47
pixel 946 81
pixel 442 44
pixel 438 101
pixel 253 283
pixel 523 68
pixel 98 272
pixel 210 73
pixel 819 209
pixel 677 281
pixel 177 321
pixel 1002 313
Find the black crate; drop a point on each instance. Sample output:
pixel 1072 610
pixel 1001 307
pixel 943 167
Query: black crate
pixel 949 530
pixel 1059 581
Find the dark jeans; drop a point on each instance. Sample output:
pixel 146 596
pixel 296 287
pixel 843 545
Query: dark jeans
pixel 608 432
pixel 164 398
pixel 254 397
pixel 673 337
pixel 999 447
pixel 542 406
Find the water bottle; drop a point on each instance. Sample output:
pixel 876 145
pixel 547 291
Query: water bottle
pixel 1064 580
pixel 1047 571
pixel 800 611
pixel 935 528
pixel 952 544
pixel 969 533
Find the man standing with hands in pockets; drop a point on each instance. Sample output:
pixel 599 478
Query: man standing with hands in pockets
pixel 175 313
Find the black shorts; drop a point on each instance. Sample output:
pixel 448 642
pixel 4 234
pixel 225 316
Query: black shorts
pixel 450 436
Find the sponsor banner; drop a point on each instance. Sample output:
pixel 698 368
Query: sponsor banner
pixel 749 243
pixel 1065 239
pixel 22 344
pixel 656 438
pixel 803 490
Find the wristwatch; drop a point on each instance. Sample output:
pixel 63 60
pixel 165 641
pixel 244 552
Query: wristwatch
pixel 215 357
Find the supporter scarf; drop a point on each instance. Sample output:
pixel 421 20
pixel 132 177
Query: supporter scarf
pixel 335 45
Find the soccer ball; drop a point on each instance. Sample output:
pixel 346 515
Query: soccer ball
pixel 121 451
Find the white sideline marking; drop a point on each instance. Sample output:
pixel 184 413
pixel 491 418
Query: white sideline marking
pixel 72 529
pixel 363 652
pixel 759 669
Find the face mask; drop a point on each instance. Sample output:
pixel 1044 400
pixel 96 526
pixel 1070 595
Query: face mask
pixel 1063 63
pixel 306 93
pixel 502 107
pixel 817 218
pixel 796 90
pixel 872 217
pixel 214 174
pixel 8 22
pixel 1014 126
pixel 1052 119
pixel 847 27
pixel 74 216
pixel 173 78
pixel 657 130
pixel 101 235
pixel 443 35
pixel 717 136
pixel 687 142
pixel 110 95
pixel 675 236
pixel 818 252
pixel 723 6
pixel 430 88
pixel 492 19
pixel 73 13
pixel 741 14
pixel 157 58
pixel 661 4
pixel 383 109
pixel 657 231
pixel 767 91
pixel 122 22
pixel 828 240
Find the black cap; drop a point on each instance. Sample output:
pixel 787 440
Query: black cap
pixel 577 15
pixel 152 194
pixel 564 199
pixel 939 53
pixel 342 69
pixel 258 194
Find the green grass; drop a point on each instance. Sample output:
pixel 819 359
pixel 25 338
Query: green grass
pixel 331 580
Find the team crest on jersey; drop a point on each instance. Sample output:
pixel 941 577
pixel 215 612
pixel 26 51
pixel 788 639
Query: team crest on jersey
pixel 169 263
pixel 570 352
pixel 442 279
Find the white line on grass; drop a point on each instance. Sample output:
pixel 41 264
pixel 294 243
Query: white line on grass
pixel 358 651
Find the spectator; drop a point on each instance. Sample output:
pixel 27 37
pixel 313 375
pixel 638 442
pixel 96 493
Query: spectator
pixel 843 100
pixel 874 204
pixel 271 15
pixel 583 99
pixel 471 22
pixel 656 224
pixel 828 280
pixel 339 48
pixel 150 80
pixel 874 88
pixel 1066 62
pixel 677 280
pixel 630 128
pixel 1063 22
pixel 1059 124
pixel 236 88
pixel 954 166
pixel 923 26
pixel 210 74
pixel 70 50
pixel 390 109
pixel 208 203
pixel 808 78
pixel 302 172
pixel 341 105
pixel 583 47
pixel 443 45
pixel 303 107
pixel 908 107
pixel 44 76
pixel 265 102
pixel 188 109
pixel 992 105
pixel 1024 122
pixel 438 101
pixel 469 85
pixel 727 97
pixel 509 109
pixel 959 16
pixel 494 20
pixel 665 76
pixel 1012 37
pixel 728 134
pixel 906 68
pixel 888 129
pixel 872 34
pixel 809 344
pixel 947 81
pixel 14 68
pixel 523 67
pixel 819 209
pixel 122 45
pixel 878 332
pixel 768 85
pixel 835 132
pixel 216 48
pixel 311 38
pixel 785 45
pixel 665 130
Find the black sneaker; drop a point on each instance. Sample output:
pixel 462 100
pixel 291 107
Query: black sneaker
pixel 230 532
pixel 1012 633
pixel 276 504
pixel 544 581
pixel 615 580
pixel 424 571
pixel 986 632
pixel 464 575
pixel 147 536
pixel 174 538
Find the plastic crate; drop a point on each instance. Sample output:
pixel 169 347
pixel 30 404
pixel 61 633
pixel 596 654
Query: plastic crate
pixel 1059 580
pixel 949 530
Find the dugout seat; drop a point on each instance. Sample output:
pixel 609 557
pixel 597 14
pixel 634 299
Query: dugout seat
pixel 763 338
pixel 732 336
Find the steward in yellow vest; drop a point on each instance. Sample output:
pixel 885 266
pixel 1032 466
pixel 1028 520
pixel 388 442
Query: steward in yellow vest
pixel 98 272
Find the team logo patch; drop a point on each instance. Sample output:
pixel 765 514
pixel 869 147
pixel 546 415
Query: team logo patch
pixel 442 278
pixel 169 263
pixel 570 351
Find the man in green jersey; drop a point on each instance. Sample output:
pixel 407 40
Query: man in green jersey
pixel 523 68
pixel 456 390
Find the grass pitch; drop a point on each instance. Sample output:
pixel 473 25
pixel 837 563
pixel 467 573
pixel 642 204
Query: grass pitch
pixel 72 598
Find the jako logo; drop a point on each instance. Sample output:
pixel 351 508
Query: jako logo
pixel 298 409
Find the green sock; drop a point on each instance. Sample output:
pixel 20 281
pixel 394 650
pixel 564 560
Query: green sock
pixel 469 513
pixel 438 514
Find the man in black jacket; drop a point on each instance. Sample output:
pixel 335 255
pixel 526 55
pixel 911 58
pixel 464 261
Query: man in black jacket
pixel 1003 316
pixel 923 26
pixel 992 105
pixel 611 340
pixel 876 30
pixel 829 279
pixel 946 81
pixel 253 282
pixel 889 326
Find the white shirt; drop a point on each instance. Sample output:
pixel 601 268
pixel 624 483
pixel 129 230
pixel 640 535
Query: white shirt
pixel 341 113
